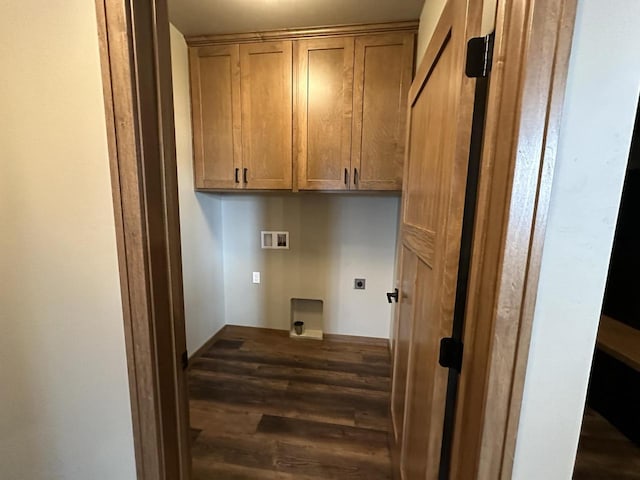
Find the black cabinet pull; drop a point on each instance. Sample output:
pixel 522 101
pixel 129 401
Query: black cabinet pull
pixel 237 173
pixel 346 176
pixel 392 295
pixel 355 176
pixel 244 174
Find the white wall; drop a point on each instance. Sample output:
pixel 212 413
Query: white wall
pixel 64 398
pixel 200 219
pixel 602 95
pixel 431 11
pixel 429 17
pixel 334 239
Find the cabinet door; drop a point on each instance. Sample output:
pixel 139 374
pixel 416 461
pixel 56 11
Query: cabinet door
pixel 382 76
pixel 215 108
pixel 266 70
pixel 325 95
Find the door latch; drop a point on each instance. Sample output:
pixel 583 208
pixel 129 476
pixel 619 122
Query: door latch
pixel 392 295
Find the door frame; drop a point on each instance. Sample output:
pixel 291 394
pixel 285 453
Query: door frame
pixel 525 100
pixel 526 92
pixel 136 77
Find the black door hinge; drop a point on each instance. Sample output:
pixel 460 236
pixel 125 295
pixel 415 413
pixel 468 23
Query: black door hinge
pixel 479 56
pixel 451 353
pixel 185 360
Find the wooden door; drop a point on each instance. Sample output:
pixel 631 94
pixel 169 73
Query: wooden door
pixel 404 311
pixel 266 70
pixel 215 110
pixel 440 117
pixel 325 94
pixel 383 70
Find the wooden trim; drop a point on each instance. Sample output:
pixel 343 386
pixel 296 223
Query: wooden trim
pixel 334 337
pixel 620 341
pixel 549 146
pixel 295 133
pixel 355 339
pixel 207 345
pixel 420 241
pixel 136 73
pixel 299 33
pixel 526 92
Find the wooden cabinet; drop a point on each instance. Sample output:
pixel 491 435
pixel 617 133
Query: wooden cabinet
pixel 241 110
pixel 265 87
pixel 352 104
pixel 215 108
pixel 383 72
pixel 325 84
pixel 350 90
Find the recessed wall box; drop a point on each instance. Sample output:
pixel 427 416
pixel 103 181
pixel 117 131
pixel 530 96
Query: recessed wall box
pixel 274 240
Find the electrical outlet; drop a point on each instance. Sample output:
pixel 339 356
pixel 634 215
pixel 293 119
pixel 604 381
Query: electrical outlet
pixel 359 283
pixel 256 277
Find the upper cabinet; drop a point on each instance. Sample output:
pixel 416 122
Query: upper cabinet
pixel 265 86
pixel 383 73
pixel 325 96
pixel 215 108
pixel 319 109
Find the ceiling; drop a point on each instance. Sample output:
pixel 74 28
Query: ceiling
pixel 193 17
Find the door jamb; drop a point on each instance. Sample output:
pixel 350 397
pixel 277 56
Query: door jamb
pixel 136 76
pixel 526 95
pixel 533 39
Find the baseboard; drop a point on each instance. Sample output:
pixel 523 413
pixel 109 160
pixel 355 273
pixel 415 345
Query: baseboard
pixel 206 345
pixel 373 341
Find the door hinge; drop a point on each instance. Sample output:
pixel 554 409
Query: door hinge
pixel 479 56
pixel 185 360
pixel 451 353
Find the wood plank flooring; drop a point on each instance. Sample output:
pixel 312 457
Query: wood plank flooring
pixel 604 453
pixel 266 406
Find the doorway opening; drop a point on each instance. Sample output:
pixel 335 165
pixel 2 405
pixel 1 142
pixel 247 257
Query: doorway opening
pixel 145 185
pixel 292 222
pixel 609 444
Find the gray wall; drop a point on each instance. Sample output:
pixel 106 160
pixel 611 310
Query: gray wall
pixel 334 239
pixel 64 398
pixel 200 219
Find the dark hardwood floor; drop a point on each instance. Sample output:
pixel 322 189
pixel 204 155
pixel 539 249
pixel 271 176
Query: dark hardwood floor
pixel 604 453
pixel 266 406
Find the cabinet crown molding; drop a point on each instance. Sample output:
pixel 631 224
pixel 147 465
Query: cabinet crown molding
pixel 300 33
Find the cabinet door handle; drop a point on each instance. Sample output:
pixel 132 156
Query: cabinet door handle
pixel 346 176
pixel 244 174
pixel 237 173
pixel 355 176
